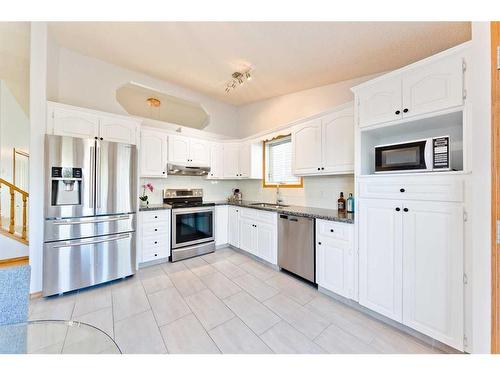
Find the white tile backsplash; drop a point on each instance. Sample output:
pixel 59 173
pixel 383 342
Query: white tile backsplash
pixel 317 192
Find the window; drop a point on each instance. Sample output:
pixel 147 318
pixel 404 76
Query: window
pixel 278 163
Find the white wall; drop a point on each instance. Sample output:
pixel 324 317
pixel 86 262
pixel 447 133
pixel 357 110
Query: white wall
pixel 88 82
pixel 271 113
pixel 479 92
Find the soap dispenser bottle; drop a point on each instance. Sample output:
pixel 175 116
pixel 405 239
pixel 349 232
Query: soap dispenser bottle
pixel 350 204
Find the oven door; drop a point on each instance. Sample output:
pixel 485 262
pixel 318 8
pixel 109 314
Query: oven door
pixel 401 157
pixel 191 226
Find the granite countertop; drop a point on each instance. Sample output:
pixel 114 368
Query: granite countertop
pixel 312 212
pixel 154 207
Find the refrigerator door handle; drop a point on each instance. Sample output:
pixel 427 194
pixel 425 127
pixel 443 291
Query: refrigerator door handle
pixel 76 222
pixel 83 243
pixel 92 177
pixel 98 177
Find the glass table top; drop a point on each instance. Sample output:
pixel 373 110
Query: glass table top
pixel 55 337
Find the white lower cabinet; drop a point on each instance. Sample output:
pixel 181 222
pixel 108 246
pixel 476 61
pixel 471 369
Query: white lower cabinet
pixel 234 226
pixel 221 225
pixel 154 235
pixel 335 258
pixel 411 264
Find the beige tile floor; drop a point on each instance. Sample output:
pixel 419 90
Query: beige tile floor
pixel 224 302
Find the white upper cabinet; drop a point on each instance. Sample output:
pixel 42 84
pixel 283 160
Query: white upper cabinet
pixel 325 145
pixel 432 87
pixel 216 161
pixel 306 141
pixel 338 142
pixel 153 153
pixel 231 160
pixel 185 151
pixel 433 270
pixel 116 129
pixel 380 256
pixel 78 122
pixel 244 160
pixel 380 102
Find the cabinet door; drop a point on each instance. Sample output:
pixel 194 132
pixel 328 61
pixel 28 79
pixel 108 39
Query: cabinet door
pixel 199 153
pixel 120 130
pixel 153 154
pixel 75 123
pixel 244 160
pixel 216 161
pixel 178 150
pixel 380 256
pixel 267 246
pixel 234 226
pixel 221 225
pixel 247 234
pixel 380 102
pixel 433 270
pixel 433 87
pixel 335 266
pixel 306 143
pixel 338 142
pixel 231 160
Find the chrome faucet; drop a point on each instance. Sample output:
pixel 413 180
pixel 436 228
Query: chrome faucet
pixel 279 201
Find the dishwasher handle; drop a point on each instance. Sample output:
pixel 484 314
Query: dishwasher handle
pixel 285 217
pixel 289 218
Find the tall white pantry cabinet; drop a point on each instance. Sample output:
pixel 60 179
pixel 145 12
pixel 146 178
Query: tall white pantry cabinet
pixel 410 230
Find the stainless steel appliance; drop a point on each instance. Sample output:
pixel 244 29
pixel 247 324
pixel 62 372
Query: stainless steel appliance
pixel 90 200
pixel 187 170
pixel 423 155
pixel 193 223
pixel 296 250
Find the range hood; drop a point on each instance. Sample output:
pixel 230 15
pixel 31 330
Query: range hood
pixel 187 170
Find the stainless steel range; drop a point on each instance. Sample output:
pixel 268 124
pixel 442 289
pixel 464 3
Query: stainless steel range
pixel 193 223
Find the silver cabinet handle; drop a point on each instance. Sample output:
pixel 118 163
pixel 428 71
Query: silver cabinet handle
pixel 75 222
pixel 83 243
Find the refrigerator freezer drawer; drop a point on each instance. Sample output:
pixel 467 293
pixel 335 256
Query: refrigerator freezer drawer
pixel 76 264
pixel 74 228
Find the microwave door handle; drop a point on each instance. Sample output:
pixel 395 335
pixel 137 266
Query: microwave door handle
pixel 428 155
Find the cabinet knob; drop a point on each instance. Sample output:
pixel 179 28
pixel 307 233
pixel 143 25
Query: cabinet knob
pixel 163 172
pixel 156 255
pixel 319 169
pixel 405 110
pixel 102 138
pixel 402 190
pixel 405 209
pixel 331 230
pixel 156 230
pixel 322 168
pixel 95 138
pixel 156 242
pixel 156 217
pixel 398 209
pixel 398 112
pixel 319 243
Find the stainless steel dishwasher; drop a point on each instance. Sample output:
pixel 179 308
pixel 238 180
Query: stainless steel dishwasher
pixel 296 252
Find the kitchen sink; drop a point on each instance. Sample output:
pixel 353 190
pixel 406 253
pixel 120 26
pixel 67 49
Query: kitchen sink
pixel 268 205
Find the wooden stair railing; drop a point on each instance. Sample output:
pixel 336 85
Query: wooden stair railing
pixel 13 189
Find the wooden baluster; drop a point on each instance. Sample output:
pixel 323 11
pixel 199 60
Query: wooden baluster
pixel 11 226
pixel 25 198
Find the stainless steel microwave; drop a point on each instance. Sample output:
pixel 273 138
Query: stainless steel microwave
pixel 423 155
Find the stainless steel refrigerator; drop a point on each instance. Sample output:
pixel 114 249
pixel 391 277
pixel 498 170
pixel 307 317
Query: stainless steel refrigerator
pixel 90 204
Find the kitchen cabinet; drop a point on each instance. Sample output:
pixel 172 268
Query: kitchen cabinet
pixel 335 258
pixel 153 154
pixel 221 225
pixel 78 122
pixel 231 160
pixel 154 235
pixel 411 264
pixel 216 161
pixel 380 256
pixel 432 85
pixel 186 151
pixel 259 233
pixel 433 270
pixel 242 160
pixel 324 146
pixel 234 226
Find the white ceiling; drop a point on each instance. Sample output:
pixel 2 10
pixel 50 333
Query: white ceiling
pixel 286 56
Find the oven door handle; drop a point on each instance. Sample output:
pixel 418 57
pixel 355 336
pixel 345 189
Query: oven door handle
pixel 83 243
pixel 189 210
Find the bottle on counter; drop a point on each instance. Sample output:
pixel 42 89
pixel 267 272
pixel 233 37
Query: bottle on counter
pixel 350 204
pixel 341 203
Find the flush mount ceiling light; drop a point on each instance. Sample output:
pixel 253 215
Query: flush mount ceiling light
pixel 238 79
pixel 153 102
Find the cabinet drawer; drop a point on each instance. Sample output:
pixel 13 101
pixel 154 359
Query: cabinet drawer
pixel 258 215
pixel 155 216
pixel 156 229
pixel 444 191
pixel 155 247
pixel 248 213
pixel 332 230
